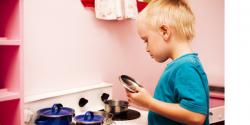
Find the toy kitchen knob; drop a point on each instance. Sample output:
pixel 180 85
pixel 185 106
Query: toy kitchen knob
pixel 82 102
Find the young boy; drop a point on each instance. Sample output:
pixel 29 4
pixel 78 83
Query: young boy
pixel 182 94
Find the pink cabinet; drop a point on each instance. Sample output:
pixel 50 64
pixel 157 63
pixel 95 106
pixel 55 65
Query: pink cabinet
pixel 11 94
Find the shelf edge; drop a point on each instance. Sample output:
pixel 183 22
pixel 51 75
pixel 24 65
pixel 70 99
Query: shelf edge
pixel 28 99
pixel 10 42
pixel 6 95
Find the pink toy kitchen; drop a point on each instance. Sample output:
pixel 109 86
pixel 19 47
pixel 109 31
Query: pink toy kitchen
pixel 73 62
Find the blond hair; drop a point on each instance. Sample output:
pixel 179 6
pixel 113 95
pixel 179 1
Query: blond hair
pixel 175 13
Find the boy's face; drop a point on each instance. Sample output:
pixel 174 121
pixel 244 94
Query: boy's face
pixel 158 47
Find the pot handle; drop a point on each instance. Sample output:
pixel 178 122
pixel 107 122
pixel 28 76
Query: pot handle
pixel 88 116
pixel 56 108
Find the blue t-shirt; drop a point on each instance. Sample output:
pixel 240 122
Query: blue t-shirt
pixel 184 82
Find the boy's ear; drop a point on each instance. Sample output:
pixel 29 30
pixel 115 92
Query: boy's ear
pixel 165 32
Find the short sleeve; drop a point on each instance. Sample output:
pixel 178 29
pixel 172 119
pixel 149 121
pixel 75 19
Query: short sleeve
pixel 190 91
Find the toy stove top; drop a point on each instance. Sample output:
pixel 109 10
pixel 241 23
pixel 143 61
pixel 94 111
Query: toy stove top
pixel 128 115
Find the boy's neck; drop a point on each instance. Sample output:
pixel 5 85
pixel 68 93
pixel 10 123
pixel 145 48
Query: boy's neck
pixel 181 48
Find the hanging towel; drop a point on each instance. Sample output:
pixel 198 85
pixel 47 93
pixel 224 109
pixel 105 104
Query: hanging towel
pixel 116 9
pixel 130 9
pixel 119 9
pixel 106 9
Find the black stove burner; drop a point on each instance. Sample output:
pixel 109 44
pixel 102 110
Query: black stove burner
pixel 128 115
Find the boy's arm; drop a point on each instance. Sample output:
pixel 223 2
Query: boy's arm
pixel 177 113
pixel 172 111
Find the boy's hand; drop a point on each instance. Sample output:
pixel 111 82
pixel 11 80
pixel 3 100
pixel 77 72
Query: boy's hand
pixel 141 98
pixel 172 111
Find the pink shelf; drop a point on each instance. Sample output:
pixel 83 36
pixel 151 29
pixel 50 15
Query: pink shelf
pixel 6 95
pixel 11 88
pixel 10 68
pixel 6 42
pixel 11 113
pixel 10 19
pixel 3 38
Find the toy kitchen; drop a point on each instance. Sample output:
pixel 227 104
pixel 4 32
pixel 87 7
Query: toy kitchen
pixel 59 61
pixel 82 100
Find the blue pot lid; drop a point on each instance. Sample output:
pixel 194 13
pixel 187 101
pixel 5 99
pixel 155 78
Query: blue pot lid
pixel 57 110
pixel 89 118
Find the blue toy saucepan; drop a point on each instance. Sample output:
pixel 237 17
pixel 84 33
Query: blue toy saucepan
pixel 89 118
pixel 56 115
